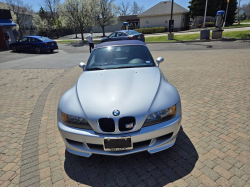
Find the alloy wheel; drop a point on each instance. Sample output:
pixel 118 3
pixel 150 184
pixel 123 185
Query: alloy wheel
pixel 13 48
pixel 38 50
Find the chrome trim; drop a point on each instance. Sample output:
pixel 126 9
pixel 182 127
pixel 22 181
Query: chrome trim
pixel 152 141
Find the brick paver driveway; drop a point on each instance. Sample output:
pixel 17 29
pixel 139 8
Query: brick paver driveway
pixel 212 149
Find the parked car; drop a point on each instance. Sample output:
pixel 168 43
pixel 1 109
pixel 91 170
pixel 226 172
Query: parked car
pixel 124 35
pixel 37 44
pixel 121 104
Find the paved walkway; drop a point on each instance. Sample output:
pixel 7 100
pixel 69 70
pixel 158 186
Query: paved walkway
pixel 212 148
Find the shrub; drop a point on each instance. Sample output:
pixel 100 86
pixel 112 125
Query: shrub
pixel 207 24
pixel 151 30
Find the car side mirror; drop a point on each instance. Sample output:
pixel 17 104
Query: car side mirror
pixel 82 65
pixel 159 60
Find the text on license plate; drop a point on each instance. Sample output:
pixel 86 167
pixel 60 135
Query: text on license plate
pixel 117 144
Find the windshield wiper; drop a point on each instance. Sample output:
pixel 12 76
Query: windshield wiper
pixel 125 67
pixel 129 67
pixel 92 69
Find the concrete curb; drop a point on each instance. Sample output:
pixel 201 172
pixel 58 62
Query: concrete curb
pixel 193 41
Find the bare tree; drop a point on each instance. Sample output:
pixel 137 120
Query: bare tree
pixel 22 12
pixel 105 13
pixel 50 7
pixel 124 8
pixel 136 9
pixel 78 12
pixel 43 23
pixel 67 19
pixel 246 9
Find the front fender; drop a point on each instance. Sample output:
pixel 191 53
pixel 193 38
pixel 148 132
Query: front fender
pixel 70 104
pixel 167 96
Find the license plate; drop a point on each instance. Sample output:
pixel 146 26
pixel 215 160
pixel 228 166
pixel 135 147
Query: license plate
pixel 117 144
pixel 139 37
pixel 52 44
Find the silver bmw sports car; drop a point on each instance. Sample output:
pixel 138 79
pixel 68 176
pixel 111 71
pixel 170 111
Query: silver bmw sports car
pixel 121 104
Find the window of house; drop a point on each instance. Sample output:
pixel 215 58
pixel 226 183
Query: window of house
pixel 147 22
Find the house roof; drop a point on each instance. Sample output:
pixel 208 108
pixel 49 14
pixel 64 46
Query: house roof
pixel 163 8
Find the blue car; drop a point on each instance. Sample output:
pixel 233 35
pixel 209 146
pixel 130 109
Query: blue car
pixel 37 44
pixel 124 35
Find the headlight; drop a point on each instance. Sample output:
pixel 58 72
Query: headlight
pixel 161 116
pixel 74 121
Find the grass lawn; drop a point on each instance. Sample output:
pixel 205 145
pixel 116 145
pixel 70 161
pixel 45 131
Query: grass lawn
pixel 185 37
pixel 237 34
pixel 64 42
pixel 245 21
pixel 237 26
pixel 189 37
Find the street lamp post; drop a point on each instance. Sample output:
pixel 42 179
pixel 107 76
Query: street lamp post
pixel 226 14
pixel 239 12
pixel 170 34
pixel 171 25
pixel 205 15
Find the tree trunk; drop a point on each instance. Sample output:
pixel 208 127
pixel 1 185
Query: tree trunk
pixel 82 34
pixel 76 32
pixel 103 32
pixel 20 32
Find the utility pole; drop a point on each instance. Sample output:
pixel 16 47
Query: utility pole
pixel 226 14
pixel 170 34
pixel 239 12
pixel 205 15
pixel 171 16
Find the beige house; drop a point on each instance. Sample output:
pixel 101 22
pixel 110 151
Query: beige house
pixel 160 16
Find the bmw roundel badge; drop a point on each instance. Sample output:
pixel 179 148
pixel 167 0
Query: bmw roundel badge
pixel 116 112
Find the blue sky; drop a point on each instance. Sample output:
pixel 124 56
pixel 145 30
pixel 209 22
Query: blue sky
pixel 146 3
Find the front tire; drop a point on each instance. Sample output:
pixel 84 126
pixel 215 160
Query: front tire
pixel 37 50
pixel 14 49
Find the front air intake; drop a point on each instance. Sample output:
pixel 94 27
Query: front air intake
pixel 107 124
pixel 126 123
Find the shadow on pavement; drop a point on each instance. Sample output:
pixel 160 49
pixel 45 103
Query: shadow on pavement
pixel 207 46
pixel 80 44
pixel 31 52
pixel 150 170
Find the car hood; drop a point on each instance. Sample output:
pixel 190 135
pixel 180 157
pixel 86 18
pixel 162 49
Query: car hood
pixel 129 90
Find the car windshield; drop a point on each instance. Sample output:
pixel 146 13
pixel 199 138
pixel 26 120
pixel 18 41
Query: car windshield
pixel 133 33
pixel 45 39
pixel 116 57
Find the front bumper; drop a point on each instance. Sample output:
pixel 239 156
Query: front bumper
pixel 153 139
